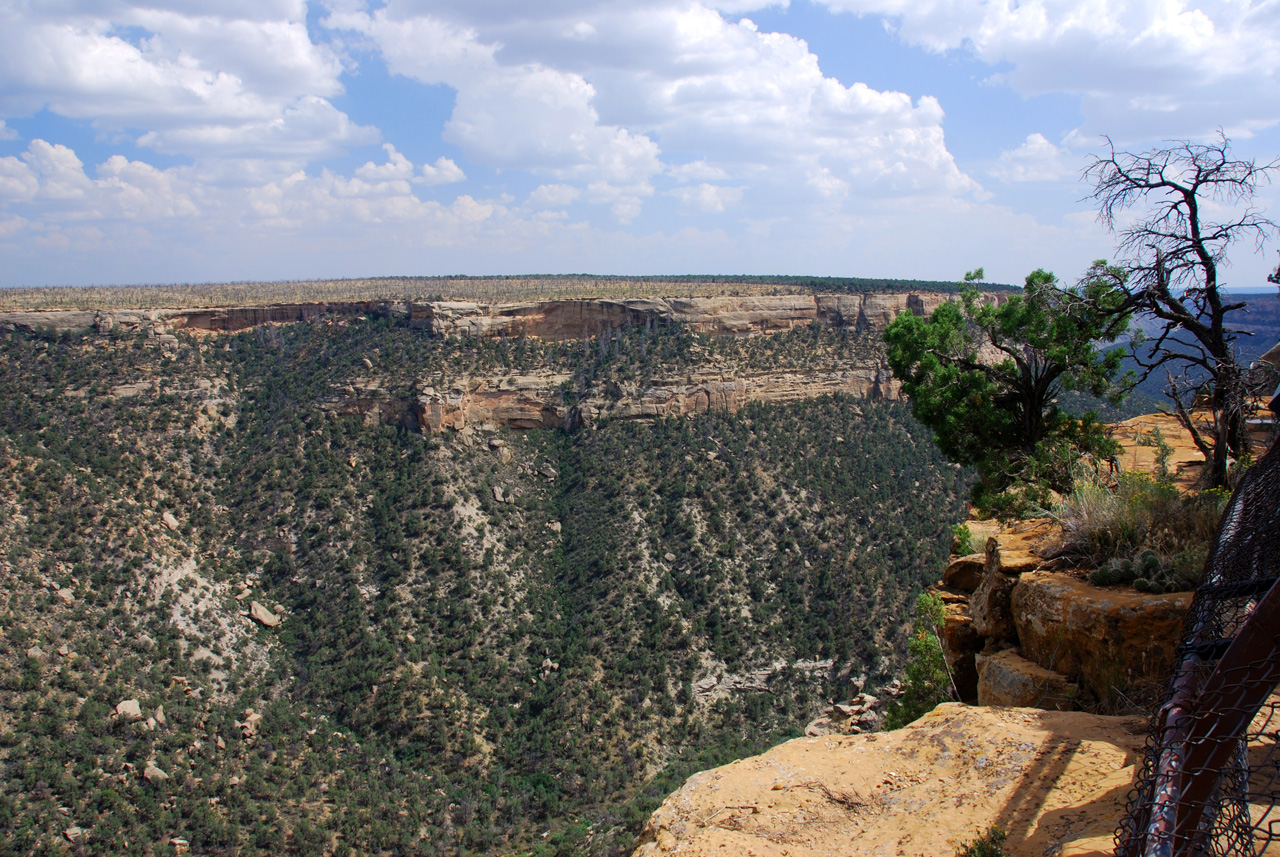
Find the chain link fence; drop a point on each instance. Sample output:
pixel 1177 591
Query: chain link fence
pixel 1210 782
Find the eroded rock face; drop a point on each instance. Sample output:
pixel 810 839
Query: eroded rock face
pixel 961 644
pixel 1109 638
pixel 535 401
pixel 717 316
pixel 1007 679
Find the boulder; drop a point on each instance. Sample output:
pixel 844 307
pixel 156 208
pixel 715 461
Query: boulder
pixel 1104 638
pixel 73 834
pixel 159 715
pixel 249 726
pixel 66 596
pixel 990 606
pixel 262 615
pixel 129 708
pixel 504 454
pixel 153 774
pixel 170 521
pixel 965 573
pixel 36 654
pixel 498 494
pixel 1009 680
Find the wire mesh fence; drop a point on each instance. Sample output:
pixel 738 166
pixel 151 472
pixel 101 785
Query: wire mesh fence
pixel 1210 783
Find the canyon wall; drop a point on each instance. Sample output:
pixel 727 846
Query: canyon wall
pixel 536 401
pixel 552 319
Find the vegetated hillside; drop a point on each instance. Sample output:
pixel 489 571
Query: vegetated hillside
pixel 492 642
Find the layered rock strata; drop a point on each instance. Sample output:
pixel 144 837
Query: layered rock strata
pixel 537 401
pixel 550 319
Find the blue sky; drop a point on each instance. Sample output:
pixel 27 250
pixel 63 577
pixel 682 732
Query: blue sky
pixel 176 141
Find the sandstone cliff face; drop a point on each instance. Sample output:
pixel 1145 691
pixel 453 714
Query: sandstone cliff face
pixel 717 316
pixel 1019 635
pixel 535 401
pixel 552 319
pixel 538 400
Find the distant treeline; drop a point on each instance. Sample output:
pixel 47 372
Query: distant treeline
pixel 496 289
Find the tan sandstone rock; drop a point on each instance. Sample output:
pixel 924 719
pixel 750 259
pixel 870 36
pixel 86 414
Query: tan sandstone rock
pixel 262 615
pixel 921 791
pixel 1107 638
pixel 130 709
pixel 1007 679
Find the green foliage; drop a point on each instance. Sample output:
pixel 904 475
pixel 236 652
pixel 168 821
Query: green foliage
pixel 989 844
pixel 961 540
pixel 986 375
pixel 926 680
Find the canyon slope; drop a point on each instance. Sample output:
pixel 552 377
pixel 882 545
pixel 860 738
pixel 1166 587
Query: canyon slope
pixel 256 601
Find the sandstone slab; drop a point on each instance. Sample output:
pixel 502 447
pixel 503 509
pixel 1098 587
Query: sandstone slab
pixel 965 572
pixel 1105 638
pixel 1046 777
pixel 1007 679
pixel 130 709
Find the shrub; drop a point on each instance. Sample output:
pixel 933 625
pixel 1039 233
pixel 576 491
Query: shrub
pixel 927 681
pixel 989 844
pixel 1141 530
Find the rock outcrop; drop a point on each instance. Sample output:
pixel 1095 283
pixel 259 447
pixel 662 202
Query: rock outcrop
pixel 1050 779
pixel 536 401
pixel 1109 638
pixel 1032 637
pixel 1007 679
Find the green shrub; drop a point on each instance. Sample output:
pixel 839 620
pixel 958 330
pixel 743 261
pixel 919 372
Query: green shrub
pixel 961 539
pixel 926 681
pixel 989 844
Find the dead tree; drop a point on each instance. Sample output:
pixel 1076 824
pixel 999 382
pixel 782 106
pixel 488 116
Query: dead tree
pixel 1173 256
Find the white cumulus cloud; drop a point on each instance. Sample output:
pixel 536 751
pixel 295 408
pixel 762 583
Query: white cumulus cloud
pixel 1143 69
pixel 1036 160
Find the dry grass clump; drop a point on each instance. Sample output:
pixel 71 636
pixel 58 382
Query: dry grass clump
pixel 1140 529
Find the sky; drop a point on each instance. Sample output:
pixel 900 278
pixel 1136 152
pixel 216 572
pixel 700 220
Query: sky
pixel 226 140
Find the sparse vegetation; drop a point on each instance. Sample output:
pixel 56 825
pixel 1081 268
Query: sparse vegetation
pixel 989 844
pixel 1140 529
pixel 441 288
